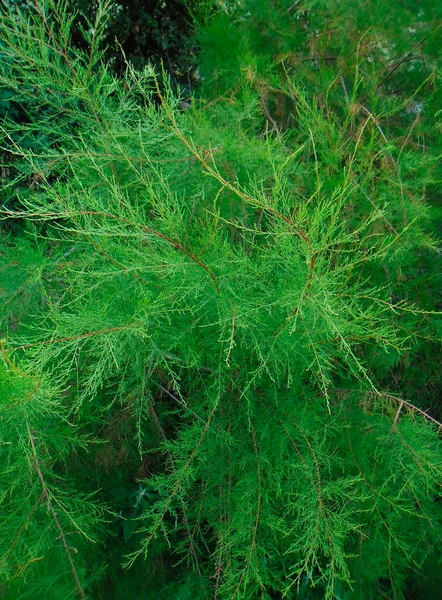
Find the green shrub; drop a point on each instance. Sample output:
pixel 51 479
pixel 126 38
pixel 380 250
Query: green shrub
pixel 203 312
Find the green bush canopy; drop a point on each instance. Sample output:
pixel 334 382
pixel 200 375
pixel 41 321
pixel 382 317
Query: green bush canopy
pixel 219 361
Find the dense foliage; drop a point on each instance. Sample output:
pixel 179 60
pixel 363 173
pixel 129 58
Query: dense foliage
pixel 221 325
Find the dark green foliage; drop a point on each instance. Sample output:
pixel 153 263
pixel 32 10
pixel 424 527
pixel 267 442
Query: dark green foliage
pixel 220 325
pixel 148 30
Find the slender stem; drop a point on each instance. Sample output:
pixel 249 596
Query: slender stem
pixel 75 337
pixel 47 496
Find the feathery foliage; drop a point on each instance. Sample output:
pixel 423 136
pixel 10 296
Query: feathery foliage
pixel 203 311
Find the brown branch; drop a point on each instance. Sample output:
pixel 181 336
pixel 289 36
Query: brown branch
pixel 396 418
pixel 47 495
pixel 74 337
pixel 145 228
pixel 224 182
pixel 401 401
pixel 412 407
pixel 20 531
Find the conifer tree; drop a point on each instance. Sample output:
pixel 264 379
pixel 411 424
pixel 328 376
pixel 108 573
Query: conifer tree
pixel 203 311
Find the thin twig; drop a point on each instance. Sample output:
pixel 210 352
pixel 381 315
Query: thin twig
pixel 401 401
pixel 243 195
pixel 344 87
pixel 75 337
pixel 376 208
pixel 396 418
pixel 180 402
pixel 47 495
pixel 413 407
pixel 175 488
pixel 400 62
pixel 262 100
pixel 172 462
pixel 145 228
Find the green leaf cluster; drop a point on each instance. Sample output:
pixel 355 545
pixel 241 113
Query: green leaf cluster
pixel 220 325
